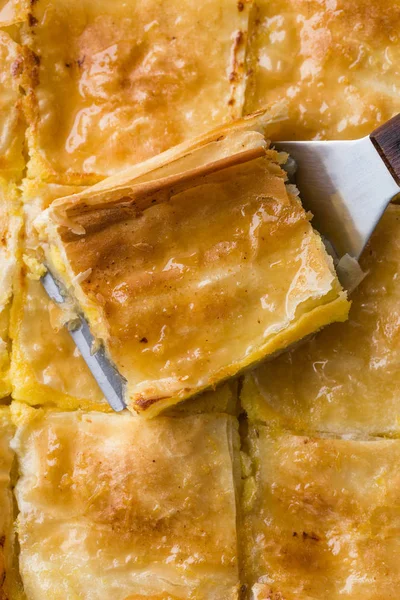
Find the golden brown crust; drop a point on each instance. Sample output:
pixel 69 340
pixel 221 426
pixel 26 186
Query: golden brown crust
pixel 346 380
pixel 127 509
pixel 160 270
pixel 43 353
pixel 12 125
pixel 336 64
pixel 321 518
pixel 104 68
pixel 7 574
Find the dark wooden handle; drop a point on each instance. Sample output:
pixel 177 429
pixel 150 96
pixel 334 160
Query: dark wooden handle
pixel 386 140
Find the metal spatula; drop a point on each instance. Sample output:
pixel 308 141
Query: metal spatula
pixel 348 184
pixel 106 375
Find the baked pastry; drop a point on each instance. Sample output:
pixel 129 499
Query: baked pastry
pixel 110 84
pixel 321 517
pixel 346 379
pixel 43 353
pixel 12 161
pixel 12 12
pixel 9 580
pixel 10 225
pixel 196 273
pixel 112 507
pixel 11 166
pixel 336 64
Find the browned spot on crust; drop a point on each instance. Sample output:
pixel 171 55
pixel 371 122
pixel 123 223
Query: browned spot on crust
pixel 240 6
pixel 17 67
pixel 239 37
pixel 144 403
pixel 310 536
pixel 32 21
pixel 231 102
pixel 81 60
pixel 2 541
pixel 274 596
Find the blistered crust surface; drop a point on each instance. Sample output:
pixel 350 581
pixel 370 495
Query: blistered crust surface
pixel 6 507
pixel 321 518
pixel 346 379
pixel 112 83
pixel 196 281
pixel 10 226
pixel 335 63
pixel 12 125
pixel 114 508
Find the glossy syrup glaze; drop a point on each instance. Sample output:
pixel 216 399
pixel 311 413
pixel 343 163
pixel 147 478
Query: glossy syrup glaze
pixel 321 517
pixel 335 62
pixel 201 282
pixel 115 85
pixel 87 527
pixel 43 353
pixel 346 380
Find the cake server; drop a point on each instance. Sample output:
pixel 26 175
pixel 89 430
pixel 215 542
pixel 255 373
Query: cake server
pixel 347 184
pixel 106 375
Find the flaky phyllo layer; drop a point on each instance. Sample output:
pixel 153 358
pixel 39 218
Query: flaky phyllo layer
pixel 112 507
pixel 194 265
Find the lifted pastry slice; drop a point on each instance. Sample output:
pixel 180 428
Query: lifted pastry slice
pixel 188 274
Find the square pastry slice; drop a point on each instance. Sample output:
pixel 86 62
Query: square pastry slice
pixel 113 83
pixel 9 584
pixel 115 508
pixel 321 518
pixel 194 270
pixel 335 63
pixel 346 379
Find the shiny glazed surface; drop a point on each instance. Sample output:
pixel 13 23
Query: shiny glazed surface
pixel 335 62
pixel 321 517
pixel 12 161
pixel 141 509
pixel 7 575
pixel 188 285
pixel 10 225
pixel 105 67
pixel 346 379
pixel 44 355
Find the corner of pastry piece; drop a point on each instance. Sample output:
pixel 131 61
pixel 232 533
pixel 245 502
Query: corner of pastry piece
pixel 196 268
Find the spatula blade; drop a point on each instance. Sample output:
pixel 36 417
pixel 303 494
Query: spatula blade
pixel 108 378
